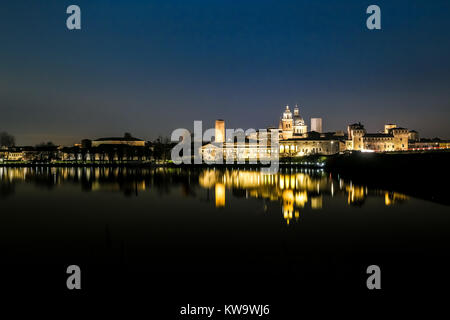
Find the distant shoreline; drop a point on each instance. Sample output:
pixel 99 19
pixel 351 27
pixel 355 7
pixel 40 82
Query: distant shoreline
pixel 355 161
pixel 420 175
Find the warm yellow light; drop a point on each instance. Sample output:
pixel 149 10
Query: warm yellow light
pixel 220 195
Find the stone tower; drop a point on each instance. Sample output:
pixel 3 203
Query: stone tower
pixel 357 137
pixel 400 138
pixel 220 131
pixel 356 133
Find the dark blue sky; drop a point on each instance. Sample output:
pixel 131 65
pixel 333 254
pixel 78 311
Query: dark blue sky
pixel 149 67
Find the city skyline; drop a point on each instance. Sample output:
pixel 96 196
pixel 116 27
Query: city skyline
pixel 308 127
pixel 149 67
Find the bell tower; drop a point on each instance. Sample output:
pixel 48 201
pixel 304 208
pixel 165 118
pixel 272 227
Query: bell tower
pixel 287 124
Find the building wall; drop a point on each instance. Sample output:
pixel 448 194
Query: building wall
pixel 15 156
pixel 444 145
pixel 352 127
pixel 306 147
pixel 220 131
pixel 396 140
pixel 300 129
pixel 357 139
pixel 236 151
pixel 400 139
pixel 349 145
pixel 379 144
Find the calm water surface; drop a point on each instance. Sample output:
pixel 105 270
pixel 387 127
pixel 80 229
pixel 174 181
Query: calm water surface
pixel 286 226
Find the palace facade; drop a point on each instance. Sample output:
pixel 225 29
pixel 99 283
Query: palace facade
pixel 392 139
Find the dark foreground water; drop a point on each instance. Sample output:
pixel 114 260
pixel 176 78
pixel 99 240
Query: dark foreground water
pixel 214 234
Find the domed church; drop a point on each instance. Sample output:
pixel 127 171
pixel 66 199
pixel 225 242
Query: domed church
pixel 292 126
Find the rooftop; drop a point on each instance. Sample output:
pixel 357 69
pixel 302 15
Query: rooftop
pixel 119 139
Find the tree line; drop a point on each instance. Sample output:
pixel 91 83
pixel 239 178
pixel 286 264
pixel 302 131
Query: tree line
pixel 7 140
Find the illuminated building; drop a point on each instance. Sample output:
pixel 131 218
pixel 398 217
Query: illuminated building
pixel 292 125
pixel 300 142
pixel 15 155
pixel 393 139
pixel 247 149
pixel 130 141
pixel 429 144
pixel 296 141
pixel 299 124
pixel 305 146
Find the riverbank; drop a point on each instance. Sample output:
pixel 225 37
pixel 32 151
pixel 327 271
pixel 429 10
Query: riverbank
pixel 419 174
pixel 25 164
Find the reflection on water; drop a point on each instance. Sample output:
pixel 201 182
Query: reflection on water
pixel 293 189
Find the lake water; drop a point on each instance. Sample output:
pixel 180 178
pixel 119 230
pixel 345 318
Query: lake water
pixel 299 226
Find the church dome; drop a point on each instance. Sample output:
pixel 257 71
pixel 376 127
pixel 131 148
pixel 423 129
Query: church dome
pixel 298 121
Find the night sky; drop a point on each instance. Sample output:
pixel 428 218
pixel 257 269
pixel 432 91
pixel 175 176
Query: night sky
pixel 148 67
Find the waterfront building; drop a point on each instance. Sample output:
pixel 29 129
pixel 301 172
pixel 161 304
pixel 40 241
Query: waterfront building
pixel 393 139
pixel 297 147
pixel 16 155
pixel 429 144
pixel 242 148
pixel 247 150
